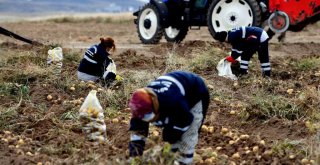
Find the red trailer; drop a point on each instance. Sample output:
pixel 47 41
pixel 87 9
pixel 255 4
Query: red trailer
pixel 292 14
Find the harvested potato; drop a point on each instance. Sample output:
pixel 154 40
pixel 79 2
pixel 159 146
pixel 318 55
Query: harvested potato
pixel 155 133
pixel 90 82
pixel 245 136
pixel 236 155
pixel 82 84
pixel 224 130
pixel 91 86
pixel 77 102
pixel 290 91
pixel 218 148
pixel 210 129
pixel 81 99
pixel 217 99
pixel 304 161
pixel 7 132
pixel 29 154
pixel 21 142
pixel 72 88
pixel 210 160
pixel 49 97
pixel 210 86
pixel 115 120
pixel 99 89
pixel 204 128
pixel 124 121
pixel 95 113
pixel 232 163
pixel 231 142
pixel 247 152
pixel 235 84
pixel 255 149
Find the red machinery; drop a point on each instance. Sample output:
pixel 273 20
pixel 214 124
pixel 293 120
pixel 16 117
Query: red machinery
pixel 292 14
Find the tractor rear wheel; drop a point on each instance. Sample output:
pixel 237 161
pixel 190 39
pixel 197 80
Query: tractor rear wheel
pixel 148 25
pixel 224 15
pixel 175 35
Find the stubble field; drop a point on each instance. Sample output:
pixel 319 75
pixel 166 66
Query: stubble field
pixel 249 121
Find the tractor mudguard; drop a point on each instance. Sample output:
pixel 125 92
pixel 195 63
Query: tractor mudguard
pixel 136 13
pixel 163 12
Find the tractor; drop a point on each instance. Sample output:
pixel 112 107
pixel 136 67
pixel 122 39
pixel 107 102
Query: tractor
pixel 174 18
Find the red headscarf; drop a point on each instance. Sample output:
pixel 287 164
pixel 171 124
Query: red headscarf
pixel 140 103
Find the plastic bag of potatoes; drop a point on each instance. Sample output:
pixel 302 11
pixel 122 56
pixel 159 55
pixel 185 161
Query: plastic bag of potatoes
pixel 92 118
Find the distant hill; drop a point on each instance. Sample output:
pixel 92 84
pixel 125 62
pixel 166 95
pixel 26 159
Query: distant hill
pixel 44 7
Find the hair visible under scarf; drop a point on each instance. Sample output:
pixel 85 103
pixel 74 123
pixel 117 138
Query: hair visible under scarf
pixel 108 42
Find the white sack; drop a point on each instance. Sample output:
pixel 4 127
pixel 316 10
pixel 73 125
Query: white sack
pixel 224 69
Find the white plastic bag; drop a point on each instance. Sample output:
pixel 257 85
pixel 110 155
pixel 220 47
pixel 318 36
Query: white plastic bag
pixel 110 70
pixel 55 55
pixel 111 67
pixel 92 118
pixel 54 60
pixel 224 69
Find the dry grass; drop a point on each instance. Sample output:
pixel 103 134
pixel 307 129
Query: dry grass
pixel 260 99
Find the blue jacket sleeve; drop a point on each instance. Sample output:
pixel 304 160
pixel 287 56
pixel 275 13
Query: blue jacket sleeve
pixel 235 37
pixel 138 137
pixel 91 51
pixel 236 50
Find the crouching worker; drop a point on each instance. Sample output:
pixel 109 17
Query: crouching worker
pixel 177 102
pixel 96 64
pixel 245 42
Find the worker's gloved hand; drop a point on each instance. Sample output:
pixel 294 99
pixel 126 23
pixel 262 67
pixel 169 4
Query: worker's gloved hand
pixel 231 59
pixel 118 78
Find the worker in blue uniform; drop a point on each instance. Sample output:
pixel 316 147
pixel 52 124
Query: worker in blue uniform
pixel 245 42
pixel 96 64
pixel 177 102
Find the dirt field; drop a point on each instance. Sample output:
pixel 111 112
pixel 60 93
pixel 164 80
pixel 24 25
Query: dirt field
pixel 268 121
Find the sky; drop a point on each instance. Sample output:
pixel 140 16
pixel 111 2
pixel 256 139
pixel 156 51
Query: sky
pixel 38 7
